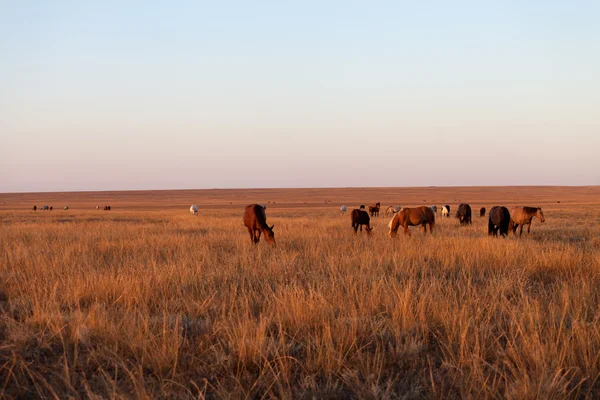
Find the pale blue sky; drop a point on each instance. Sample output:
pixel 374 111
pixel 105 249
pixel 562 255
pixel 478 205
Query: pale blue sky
pixel 128 95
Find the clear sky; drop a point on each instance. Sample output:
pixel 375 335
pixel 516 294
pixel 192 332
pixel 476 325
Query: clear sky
pixel 100 95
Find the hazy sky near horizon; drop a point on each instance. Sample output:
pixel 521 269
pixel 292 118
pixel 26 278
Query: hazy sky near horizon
pixel 166 95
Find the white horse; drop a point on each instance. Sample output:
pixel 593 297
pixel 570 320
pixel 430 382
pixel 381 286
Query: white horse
pixel 343 209
pixel 391 210
pixel 194 209
pixel 445 211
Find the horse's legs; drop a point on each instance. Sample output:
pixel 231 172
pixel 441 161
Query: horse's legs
pixel 257 233
pixel 251 232
pixel 425 227
pixel 529 227
pixel 406 231
pixel 521 230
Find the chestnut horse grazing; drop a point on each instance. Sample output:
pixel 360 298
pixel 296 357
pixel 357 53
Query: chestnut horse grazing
pixel 255 220
pixel 520 215
pixel 482 212
pixel 498 220
pixel 360 218
pixel 464 214
pixel 412 217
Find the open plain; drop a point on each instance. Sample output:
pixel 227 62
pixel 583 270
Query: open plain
pixel 147 300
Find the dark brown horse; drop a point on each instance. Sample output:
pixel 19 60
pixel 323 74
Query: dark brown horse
pixel 360 218
pixel 464 214
pixel 374 210
pixel 498 220
pixel 34 208
pixel 482 212
pixel 520 215
pixel 412 217
pixel 255 220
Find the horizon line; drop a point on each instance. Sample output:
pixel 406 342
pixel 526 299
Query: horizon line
pixel 298 188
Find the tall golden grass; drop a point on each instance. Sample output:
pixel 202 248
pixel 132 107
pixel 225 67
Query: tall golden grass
pixel 148 304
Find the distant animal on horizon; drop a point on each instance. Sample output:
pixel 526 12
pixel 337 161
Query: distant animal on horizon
pixel 463 214
pixel 66 208
pixel 361 218
pixel 445 211
pixel 391 210
pixel 194 209
pixel 416 216
pixel 255 220
pixel 343 209
pixel 34 208
pixel 498 220
pixel 482 212
pixel 520 216
pixel 106 208
pixel 434 209
pixel 97 207
pixel 374 209
pixel 45 208
pixel 51 208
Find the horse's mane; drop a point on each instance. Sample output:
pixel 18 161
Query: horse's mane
pixel 530 210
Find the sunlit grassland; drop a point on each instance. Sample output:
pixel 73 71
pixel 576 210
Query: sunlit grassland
pixel 166 304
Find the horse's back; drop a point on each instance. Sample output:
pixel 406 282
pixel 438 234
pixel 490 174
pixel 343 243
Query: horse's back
pixel 417 215
pixel 499 215
pixel 254 216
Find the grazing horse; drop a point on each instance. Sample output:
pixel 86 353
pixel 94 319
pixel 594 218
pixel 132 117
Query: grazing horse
pixel 362 207
pixel 520 215
pixel 343 209
pixel 360 218
pixel 97 207
pixel 422 215
pixel 434 209
pixel 391 210
pixel 45 208
pixel 255 219
pixel 34 208
pixel 464 214
pixel 498 220
pixel 66 208
pixel 194 209
pixel 374 210
pixel 482 212
pixel 445 211
pixel 51 208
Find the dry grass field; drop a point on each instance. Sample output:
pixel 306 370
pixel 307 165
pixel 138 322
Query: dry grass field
pixel 148 301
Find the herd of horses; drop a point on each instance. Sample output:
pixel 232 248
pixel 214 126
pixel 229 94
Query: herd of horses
pixel 50 208
pixel 500 219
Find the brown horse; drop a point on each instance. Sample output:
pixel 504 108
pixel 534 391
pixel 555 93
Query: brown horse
pixel 482 212
pixel 412 217
pixel 520 215
pixel 498 220
pixel 360 218
pixel 374 210
pixel 255 220
pixel 464 214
